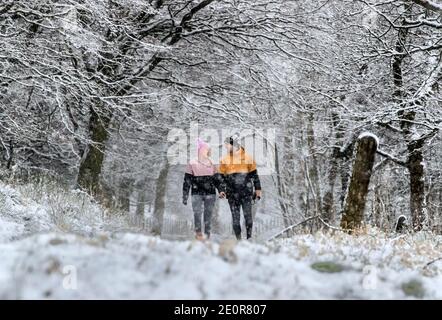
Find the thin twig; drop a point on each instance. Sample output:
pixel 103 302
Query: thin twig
pixel 432 261
pixel 301 223
pixel 290 228
pixel 330 226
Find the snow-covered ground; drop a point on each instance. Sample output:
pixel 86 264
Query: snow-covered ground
pixel 43 258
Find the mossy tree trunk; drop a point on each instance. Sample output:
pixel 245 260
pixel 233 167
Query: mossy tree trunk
pixel 360 179
pixel 417 184
pixel 92 162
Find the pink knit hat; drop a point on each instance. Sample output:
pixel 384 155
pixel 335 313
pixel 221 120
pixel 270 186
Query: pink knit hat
pixel 201 145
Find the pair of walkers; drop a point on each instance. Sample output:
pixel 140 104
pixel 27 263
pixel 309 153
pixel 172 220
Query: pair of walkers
pixel 236 178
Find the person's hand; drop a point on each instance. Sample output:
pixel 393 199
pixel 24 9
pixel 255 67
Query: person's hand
pixel 258 194
pixel 185 201
pixel 222 195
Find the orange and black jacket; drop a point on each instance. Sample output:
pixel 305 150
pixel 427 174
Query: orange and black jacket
pixel 240 174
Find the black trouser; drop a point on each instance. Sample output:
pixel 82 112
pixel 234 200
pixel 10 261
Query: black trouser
pixel 203 204
pixel 235 204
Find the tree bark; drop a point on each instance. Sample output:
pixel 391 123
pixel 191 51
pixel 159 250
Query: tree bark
pixel 124 194
pixel 328 201
pixel 315 204
pixel 92 162
pixel 359 182
pixel 414 146
pixel 286 172
pixel 281 193
pixel 141 204
pixel 160 205
pixel 417 185
pixel 377 207
pixel 10 155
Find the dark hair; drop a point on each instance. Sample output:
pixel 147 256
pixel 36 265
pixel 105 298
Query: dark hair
pixel 232 141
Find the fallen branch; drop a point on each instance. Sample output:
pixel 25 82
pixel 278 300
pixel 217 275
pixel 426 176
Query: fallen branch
pixel 280 233
pixel 432 261
pixel 391 158
pixel 330 226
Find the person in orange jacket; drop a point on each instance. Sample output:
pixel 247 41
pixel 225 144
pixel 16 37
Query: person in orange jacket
pixel 242 184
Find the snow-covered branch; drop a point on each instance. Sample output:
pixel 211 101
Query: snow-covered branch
pixel 430 5
pixel 391 157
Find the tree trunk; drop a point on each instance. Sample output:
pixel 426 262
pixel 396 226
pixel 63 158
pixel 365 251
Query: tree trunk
pixel 414 147
pixel 281 193
pixel 328 201
pixel 328 206
pixel 377 207
pixel 344 172
pixel 315 204
pixel 417 186
pixel 160 205
pixel 360 179
pixel 107 196
pixel 124 194
pixel 141 204
pixel 10 155
pixel 92 162
pixel 286 172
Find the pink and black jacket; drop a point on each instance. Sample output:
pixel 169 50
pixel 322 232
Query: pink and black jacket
pixel 202 179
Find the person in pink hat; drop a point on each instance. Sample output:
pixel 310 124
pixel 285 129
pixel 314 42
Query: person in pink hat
pixel 202 177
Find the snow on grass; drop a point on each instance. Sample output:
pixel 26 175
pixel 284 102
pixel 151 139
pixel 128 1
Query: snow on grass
pixel 135 266
pixel 20 215
pixel 34 208
pixel 9 230
pixel 42 260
